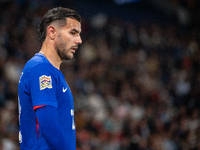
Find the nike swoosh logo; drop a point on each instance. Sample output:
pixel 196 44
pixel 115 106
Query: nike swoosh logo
pixel 64 90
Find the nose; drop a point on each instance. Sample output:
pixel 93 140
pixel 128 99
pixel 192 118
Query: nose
pixel 79 40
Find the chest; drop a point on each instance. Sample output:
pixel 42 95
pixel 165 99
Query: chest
pixel 64 95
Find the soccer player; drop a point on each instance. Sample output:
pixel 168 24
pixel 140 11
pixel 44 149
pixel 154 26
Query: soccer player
pixel 46 107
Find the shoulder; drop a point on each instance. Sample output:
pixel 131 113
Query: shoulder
pixel 37 63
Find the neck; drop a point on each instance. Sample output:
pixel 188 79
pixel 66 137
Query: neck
pixel 51 54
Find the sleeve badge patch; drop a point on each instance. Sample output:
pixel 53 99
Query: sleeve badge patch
pixel 45 82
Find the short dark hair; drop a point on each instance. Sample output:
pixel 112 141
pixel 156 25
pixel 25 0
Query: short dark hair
pixel 56 14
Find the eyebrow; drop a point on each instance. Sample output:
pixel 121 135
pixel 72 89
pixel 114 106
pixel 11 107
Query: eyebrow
pixel 75 30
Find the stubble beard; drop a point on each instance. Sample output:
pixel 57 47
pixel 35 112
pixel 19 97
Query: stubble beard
pixel 62 53
pixel 61 49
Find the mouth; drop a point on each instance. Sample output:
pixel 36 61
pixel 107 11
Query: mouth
pixel 74 49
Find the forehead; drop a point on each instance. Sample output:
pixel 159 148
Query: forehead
pixel 73 24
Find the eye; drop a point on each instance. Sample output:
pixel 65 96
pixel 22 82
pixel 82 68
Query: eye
pixel 72 33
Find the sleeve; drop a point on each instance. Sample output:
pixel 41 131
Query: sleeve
pixel 42 85
pixel 50 129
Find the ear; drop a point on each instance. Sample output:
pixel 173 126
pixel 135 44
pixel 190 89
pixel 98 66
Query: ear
pixel 51 32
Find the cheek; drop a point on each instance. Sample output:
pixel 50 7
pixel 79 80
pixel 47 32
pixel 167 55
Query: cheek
pixel 66 41
pixel 61 44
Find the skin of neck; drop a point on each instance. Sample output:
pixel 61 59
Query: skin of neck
pixel 50 53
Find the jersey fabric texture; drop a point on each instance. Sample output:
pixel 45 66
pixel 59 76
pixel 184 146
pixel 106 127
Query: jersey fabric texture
pixel 41 84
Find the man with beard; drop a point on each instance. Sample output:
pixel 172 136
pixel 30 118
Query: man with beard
pixel 46 106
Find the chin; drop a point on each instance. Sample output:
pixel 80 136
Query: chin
pixel 69 57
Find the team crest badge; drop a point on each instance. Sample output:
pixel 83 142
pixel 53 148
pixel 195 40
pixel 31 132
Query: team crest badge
pixel 45 82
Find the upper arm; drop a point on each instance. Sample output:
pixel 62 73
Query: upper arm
pixel 42 85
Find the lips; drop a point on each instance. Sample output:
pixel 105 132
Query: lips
pixel 74 48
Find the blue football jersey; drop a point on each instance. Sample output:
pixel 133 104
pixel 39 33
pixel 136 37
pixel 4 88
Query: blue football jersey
pixel 43 84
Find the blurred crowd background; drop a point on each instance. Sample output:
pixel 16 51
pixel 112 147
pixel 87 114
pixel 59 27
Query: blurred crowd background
pixel 135 79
